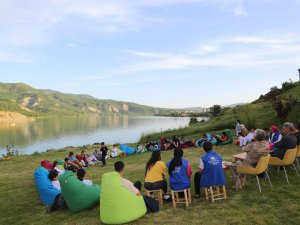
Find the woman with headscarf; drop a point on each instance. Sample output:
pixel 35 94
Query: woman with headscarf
pixel 179 171
pixel 275 136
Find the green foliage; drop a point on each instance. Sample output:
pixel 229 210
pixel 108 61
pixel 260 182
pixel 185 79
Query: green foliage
pixel 193 120
pixel 26 100
pixel 215 110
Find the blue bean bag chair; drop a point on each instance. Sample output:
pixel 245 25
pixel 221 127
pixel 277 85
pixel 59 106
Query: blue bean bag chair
pixel 44 186
pixel 128 150
pixel 118 204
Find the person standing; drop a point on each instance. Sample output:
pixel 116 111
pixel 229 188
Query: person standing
pixel 238 127
pixel 103 151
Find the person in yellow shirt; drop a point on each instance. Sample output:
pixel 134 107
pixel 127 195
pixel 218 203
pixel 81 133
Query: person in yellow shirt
pixel 155 174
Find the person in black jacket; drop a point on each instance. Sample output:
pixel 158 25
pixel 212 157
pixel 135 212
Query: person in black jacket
pixel 296 131
pixel 289 141
pixel 103 151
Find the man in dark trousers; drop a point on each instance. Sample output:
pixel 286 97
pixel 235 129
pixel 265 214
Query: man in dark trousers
pixel 103 151
pixel 288 141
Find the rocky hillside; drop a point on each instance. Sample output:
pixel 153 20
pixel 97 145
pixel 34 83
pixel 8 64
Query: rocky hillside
pixel 29 101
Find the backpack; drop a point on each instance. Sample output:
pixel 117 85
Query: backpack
pixel 151 204
pixel 59 203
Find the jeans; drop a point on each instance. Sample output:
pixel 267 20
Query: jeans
pixel 157 185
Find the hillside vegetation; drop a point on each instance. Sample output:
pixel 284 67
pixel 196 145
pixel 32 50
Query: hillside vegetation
pixel 261 113
pixel 33 102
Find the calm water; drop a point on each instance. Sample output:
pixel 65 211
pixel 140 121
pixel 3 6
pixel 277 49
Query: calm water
pixel 52 133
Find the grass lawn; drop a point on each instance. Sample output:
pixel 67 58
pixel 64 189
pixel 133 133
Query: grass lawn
pixel 20 203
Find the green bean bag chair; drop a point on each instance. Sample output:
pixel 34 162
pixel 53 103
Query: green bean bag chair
pixel 230 137
pixel 119 205
pixel 59 161
pixel 77 195
pixel 119 152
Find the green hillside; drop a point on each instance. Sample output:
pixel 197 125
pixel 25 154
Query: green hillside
pixel 260 113
pixel 26 100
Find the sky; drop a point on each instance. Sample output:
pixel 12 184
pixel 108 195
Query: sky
pixel 162 53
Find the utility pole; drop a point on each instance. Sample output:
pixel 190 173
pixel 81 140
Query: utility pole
pixel 299 74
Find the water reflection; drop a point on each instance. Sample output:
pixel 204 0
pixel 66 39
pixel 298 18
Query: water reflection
pixel 49 133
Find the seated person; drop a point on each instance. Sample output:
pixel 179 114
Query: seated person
pixel 81 174
pixel 74 160
pixel 179 171
pixel 148 145
pixel 255 150
pixel 140 148
pixel 242 138
pixel 155 173
pixel 68 163
pixel 114 151
pixel 222 139
pixel 210 170
pixel 275 135
pixel 136 188
pixel 165 143
pixel 97 154
pixel 176 142
pixel 55 167
pixel 250 135
pixel 53 174
pixel 154 147
pixel 288 141
pixel 185 143
pixel 203 139
pixel 89 160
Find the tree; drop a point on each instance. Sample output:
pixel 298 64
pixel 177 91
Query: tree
pixel 215 110
pixel 193 120
pixel 282 107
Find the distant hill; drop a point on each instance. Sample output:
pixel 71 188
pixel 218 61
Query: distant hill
pixel 21 98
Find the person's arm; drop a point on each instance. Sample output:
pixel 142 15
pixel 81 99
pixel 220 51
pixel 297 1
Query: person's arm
pixel 189 170
pixel 201 166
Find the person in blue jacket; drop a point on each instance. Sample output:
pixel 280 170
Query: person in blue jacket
pixel 179 171
pixel 210 170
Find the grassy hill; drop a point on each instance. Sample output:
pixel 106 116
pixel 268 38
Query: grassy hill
pixel 259 113
pixel 277 205
pixel 29 101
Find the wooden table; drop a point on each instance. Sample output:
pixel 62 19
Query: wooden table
pixel 240 156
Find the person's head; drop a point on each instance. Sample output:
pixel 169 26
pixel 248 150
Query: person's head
pixel 72 168
pixel 119 167
pixel 287 128
pixel 67 159
pixel 204 136
pixel 83 152
pixel 154 158
pixel 176 161
pixel 252 130
pixel 71 154
pixel 114 145
pixel 102 144
pixel 259 135
pixel 53 175
pixel 207 146
pixel 274 129
pixel 214 133
pixel 80 174
pixel 238 121
pixel 54 164
pixel 244 132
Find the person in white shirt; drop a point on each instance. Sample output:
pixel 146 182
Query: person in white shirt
pixel 250 136
pixel 53 174
pixel 114 151
pixel 134 188
pixel 81 175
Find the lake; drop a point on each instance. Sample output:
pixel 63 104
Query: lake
pixel 52 133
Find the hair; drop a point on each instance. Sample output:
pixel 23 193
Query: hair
pixel 114 145
pixel 207 146
pixel 72 168
pixel 259 135
pixel 80 174
pixel 67 159
pixel 71 153
pixel 289 125
pixel 296 125
pixel 52 174
pixel 102 143
pixel 176 161
pixel 83 151
pixel 239 121
pixel 154 158
pixel 54 164
pixel 119 166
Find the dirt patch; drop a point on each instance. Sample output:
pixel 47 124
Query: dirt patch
pixel 13 117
